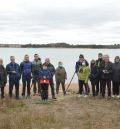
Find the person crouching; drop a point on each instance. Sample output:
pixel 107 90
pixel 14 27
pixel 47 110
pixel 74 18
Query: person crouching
pixel 83 75
pixel 44 81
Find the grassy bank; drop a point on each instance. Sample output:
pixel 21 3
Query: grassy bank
pixel 67 112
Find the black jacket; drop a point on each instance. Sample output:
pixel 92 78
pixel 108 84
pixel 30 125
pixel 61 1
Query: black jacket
pixel 94 73
pixel 116 72
pixel 3 76
pixel 106 71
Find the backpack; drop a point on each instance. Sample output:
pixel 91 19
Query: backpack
pixel 27 69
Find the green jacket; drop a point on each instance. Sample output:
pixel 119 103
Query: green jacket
pixel 60 74
pixel 36 67
pixel 83 73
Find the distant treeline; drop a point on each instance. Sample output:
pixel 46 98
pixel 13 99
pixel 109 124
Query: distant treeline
pixel 60 45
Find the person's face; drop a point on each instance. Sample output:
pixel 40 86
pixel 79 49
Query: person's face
pixel 47 61
pixel 36 57
pixel 60 64
pixel 100 56
pixel 106 59
pixel 12 59
pixel 117 60
pixel 26 58
pixel 81 59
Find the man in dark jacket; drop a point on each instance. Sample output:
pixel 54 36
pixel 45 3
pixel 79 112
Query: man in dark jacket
pixel 51 68
pixel 3 78
pixel 99 63
pixel 26 70
pixel 79 65
pixel 106 75
pixel 13 70
pixel 116 77
pixel 36 68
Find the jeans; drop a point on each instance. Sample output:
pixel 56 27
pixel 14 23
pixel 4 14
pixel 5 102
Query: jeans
pixel 26 82
pixel 11 85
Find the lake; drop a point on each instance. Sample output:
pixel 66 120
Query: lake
pixel 67 56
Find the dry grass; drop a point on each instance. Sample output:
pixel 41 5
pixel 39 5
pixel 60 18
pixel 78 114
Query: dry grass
pixel 67 112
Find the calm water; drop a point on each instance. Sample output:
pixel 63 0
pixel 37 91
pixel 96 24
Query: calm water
pixel 68 56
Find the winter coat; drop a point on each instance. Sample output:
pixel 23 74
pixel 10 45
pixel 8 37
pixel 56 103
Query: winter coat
pixel 60 74
pixel 116 72
pixel 51 68
pixel 83 74
pixel 26 69
pixel 36 67
pixel 44 73
pixel 106 71
pixel 79 64
pixel 13 77
pixel 99 64
pixel 94 73
pixel 3 76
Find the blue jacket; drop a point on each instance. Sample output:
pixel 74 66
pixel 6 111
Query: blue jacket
pixel 51 68
pixel 13 76
pixel 46 73
pixel 26 69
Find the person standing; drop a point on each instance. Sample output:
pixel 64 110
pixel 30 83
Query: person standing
pixel 60 77
pixel 26 69
pixel 36 67
pixel 94 73
pixel 51 68
pixel 83 76
pixel 13 70
pixel 106 75
pixel 44 76
pixel 116 77
pixel 79 65
pixel 99 84
pixel 3 78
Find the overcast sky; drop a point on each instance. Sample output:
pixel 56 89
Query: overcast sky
pixel 71 21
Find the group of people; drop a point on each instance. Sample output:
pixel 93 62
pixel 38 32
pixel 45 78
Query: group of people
pixel 101 73
pixel 38 73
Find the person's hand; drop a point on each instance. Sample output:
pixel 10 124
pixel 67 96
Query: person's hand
pixel 104 71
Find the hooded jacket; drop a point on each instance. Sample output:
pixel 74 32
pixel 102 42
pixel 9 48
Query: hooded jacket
pixel 79 64
pixel 83 74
